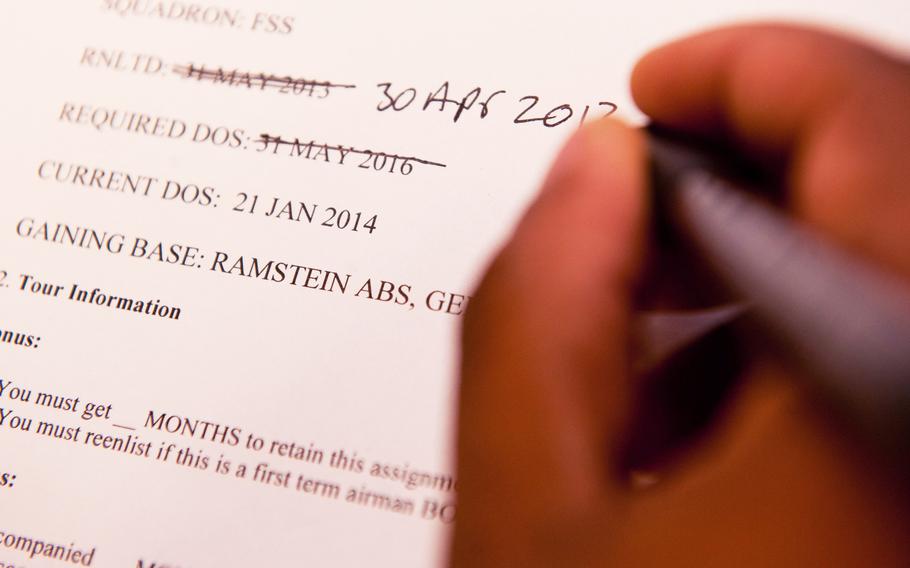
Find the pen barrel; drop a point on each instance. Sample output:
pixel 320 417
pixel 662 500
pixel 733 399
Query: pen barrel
pixel 846 323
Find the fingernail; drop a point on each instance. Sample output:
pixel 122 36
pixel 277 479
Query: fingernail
pixel 641 480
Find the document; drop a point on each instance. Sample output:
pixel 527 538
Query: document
pixel 237 240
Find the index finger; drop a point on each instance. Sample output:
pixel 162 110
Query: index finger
pixel 834 112
pixel 764 85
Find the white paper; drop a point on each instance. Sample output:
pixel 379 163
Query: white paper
pixel 259 356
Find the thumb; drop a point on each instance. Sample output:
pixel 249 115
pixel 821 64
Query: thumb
pixel 545 360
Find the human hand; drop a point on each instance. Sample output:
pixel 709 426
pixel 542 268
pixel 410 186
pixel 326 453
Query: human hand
pixel 547 392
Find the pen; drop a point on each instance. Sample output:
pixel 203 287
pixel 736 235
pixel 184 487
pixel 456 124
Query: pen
pixel 844 322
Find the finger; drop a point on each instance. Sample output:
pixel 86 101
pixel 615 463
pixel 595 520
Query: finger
pixel 837 110
pixel 544 362
pixel 767 85
pixel 776 486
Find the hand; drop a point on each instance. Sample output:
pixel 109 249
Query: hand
pixel 546 390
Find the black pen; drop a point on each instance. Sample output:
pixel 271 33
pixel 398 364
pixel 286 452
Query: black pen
pixel 844 322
